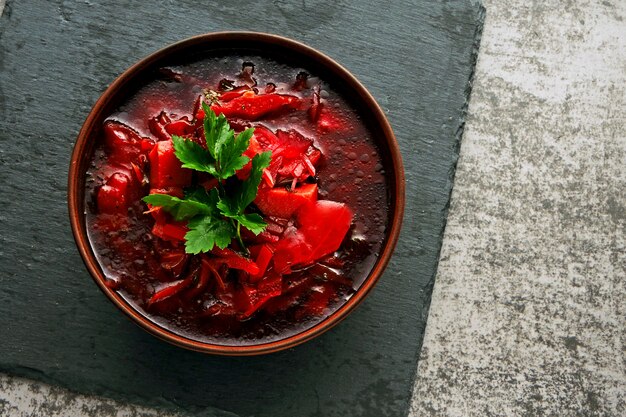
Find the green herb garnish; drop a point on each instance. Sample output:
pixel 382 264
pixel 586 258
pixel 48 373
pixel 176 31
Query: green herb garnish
pixel 216 217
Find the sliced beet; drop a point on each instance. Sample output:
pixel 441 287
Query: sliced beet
pixel 116 195
pixel 123 143
pixel 157 126
pixel 235 261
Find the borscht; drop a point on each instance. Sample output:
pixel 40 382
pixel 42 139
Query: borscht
pixel 236 200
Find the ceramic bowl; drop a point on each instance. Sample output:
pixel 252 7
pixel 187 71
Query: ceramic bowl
pixel 328 70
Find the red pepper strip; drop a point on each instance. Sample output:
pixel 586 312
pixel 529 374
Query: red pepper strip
pixel 262 260
pixel 175 231
pixel 268 178
pixel 252 107
pixel 235 261
pixel 170 289
pixel 237 92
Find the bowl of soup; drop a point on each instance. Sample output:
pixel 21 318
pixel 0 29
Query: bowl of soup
pixel 236 193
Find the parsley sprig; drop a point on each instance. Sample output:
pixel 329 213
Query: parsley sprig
pixel 215 217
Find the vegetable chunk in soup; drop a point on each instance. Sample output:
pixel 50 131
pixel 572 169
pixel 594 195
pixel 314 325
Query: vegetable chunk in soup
pixel 236 201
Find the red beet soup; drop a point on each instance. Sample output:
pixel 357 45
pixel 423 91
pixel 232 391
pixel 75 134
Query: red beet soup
pixel 236 200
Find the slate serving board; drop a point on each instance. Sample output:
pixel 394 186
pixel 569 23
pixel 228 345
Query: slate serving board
pixel 56 57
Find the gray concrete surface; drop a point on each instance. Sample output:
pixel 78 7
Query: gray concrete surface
pixel 529 307
pixel 528 313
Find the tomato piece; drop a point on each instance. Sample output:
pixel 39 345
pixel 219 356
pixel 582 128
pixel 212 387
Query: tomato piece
pixel 324 225
pixel 251 106
pixel 115 196
pixel 165 168
pixel 235 261
pixel 281 202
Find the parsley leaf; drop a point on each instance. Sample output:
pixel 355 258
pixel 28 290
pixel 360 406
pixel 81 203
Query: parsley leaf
pixel 250 186
pixel 179 209
pixel 199 194
pixel 253 222
pixel 216 130
pixel 205 232
pixel 230 156
pixel 216 216
pixel 222 144
pixel 193 156
pixel 246 191
pixel 234 205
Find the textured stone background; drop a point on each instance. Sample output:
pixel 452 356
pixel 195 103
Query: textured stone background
pixel 528 312
pixel 57 56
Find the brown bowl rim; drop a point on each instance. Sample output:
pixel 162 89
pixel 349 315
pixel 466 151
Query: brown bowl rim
pixel 76 185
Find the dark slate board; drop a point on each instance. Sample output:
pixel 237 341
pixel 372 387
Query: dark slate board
pixel 56 57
